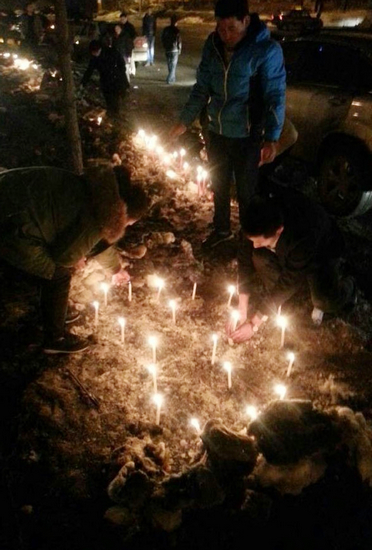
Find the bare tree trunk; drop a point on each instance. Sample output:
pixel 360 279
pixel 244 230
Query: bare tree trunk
pixel 72 124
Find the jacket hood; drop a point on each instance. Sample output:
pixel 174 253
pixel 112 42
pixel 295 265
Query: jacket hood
pixel 109 210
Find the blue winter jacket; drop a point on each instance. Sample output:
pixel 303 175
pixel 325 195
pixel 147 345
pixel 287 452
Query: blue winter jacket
pixel 225 89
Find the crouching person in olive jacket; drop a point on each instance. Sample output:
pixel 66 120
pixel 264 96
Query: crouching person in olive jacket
pixel 52 219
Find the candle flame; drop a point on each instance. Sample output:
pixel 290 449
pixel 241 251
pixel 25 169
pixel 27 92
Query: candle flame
pixel 252 412
pixel 182 152
pixel 281 321
pixel 291 356
pixel 214 338
pixel 235 315
pixel 171 174
pixel 227 366
pixel 105 287
pixel 172 304
pixel 281 390
pixel 121 321
pixel 186 166
pixel 160 283
pixel 195 424
pixel 158 399
pixel 96 305
pixel 231 289
pixel 99 120
pixel 153 341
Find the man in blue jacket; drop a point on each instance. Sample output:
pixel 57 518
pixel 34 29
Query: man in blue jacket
pixel 239 49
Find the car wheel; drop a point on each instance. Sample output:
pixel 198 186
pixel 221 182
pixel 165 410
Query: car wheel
pixel 342 176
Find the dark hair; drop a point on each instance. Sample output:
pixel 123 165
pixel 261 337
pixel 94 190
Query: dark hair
pixel 262 216
pixel 134 196
pixel 95 46
pixel 231 8
pixel 123 14
pixel 174 19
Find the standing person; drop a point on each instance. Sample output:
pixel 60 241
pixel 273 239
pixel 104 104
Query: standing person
pixel 149 30
pixel 52 220
pixel 129 34
pixel 288 240
pixel 32 30
pixel 172 43
pixel 239 49
pixel 113 79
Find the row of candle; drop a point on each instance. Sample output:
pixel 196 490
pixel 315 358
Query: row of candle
pixel 176 159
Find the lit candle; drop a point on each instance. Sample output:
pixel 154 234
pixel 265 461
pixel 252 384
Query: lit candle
pixel 252 412
pixel 235 316
pixel 198 181
pixel 153 341
pixel 153 371
pixel 96 308
pixel 99 120
pixel 279 310
pixel 282 323
pixel 204 180
pixel 194 422
pixel 159 150
pixel 194 291
pixel 160 284
pixel 185 167
pixel 129 291
pixel 141 134
pixel 291 358
pixel 281 391
pixel 231 290
pixel 228 368
pixel 121 321
pixel 105 287
pixel 173 306
pixel 158 400
pixel 214 340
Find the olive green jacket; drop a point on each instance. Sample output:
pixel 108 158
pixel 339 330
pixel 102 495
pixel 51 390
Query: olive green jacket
pixel 51 217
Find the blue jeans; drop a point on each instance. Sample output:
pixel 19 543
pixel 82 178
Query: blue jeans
pixel 150 49
pixel 172 60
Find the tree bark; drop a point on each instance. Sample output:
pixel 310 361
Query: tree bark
pixel 71 118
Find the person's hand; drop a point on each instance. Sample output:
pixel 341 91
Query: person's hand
pixel 80 265
pixel 268 152
pixel 177 130
pixel 120 278
pixel 243 333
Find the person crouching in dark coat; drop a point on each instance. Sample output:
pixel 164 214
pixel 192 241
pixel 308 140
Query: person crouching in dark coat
pixel 112 73
pixel 289 239
pixel 51 220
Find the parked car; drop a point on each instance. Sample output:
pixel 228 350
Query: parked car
pixel 329 100
pixel 296 20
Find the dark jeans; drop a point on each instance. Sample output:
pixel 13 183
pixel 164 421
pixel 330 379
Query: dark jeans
pixel 150 49
pixel 172 60
pixel 329 291
pixel 114 102
pixel 53 296
pixel 229 159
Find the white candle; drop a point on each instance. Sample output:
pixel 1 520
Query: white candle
pixel 231 289
pixel 105 287
pixel 279 310
pixel 291 358
pixel 194 291
pixel 160 284
pixel 214 340
pixel 281 391
pixel 153 341
pixel 96 308
pixel 185 167
pixel 173 306
pixel 235 316
pixel 129 291
pixel 194 422
pixel 182 154
pixel 121 321
pixel 228 368
pixel 252 412
pixel 282 323
pixel 153 371
pixel 204 181
pixel 158 400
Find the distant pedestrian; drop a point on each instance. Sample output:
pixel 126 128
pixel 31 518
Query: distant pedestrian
pixel 113 79
pixel 172 43
pixel 149 30
pixel 32 30
pixel 129 34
